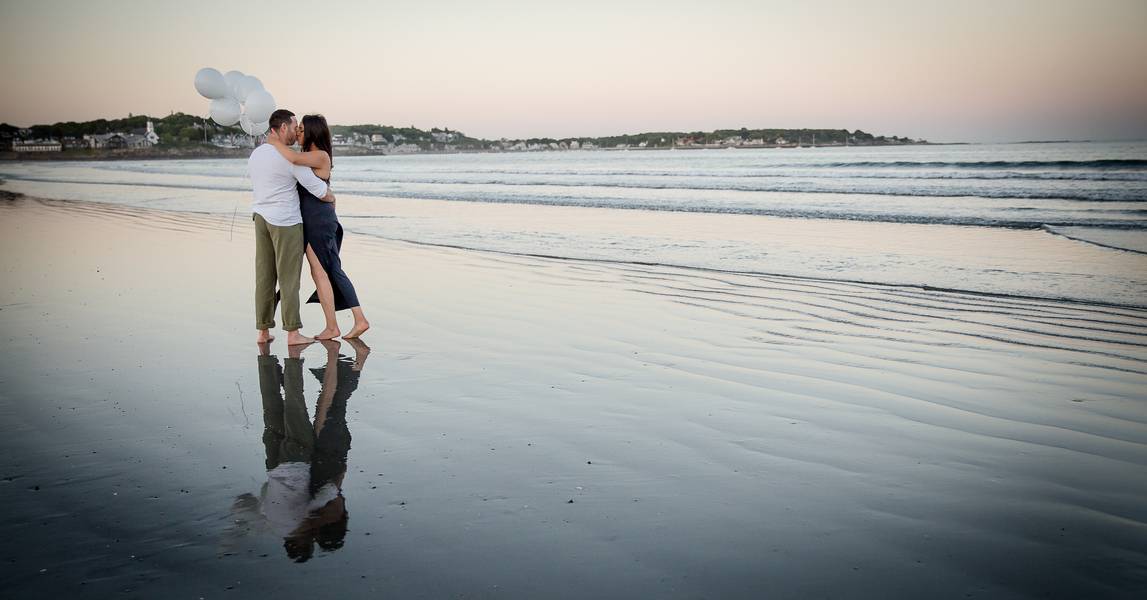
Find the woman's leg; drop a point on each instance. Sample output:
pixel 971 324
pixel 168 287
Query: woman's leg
pixel 326 296
pixel 360 324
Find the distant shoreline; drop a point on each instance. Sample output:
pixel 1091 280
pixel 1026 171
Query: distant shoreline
pixel 200 152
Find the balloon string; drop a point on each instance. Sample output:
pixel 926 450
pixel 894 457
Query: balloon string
pixel 231 234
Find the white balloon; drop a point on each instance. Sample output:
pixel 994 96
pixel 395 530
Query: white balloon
pixel 255 129
pixel 210 83
pixel 225 111
pixel 250 84
pixel 260 105
pixel 245 123
pixel 245 85
pixel 233 79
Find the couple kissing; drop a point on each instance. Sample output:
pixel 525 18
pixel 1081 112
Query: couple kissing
pixel 294 215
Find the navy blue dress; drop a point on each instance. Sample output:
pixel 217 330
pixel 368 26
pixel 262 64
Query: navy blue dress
pixel 324 234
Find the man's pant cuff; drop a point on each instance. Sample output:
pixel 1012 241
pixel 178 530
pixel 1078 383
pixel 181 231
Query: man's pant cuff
pixel 261 326
pixel 294 328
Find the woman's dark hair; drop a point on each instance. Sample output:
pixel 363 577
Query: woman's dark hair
pixel 317 136
pixel 331 536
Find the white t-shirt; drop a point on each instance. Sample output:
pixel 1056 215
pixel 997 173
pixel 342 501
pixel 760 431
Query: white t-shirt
pixel 286 496
pixel 273 179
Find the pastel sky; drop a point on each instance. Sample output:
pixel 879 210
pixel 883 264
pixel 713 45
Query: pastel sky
pixel 946 71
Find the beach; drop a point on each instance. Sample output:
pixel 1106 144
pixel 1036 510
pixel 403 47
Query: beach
pixel 759 300
pixel 556 426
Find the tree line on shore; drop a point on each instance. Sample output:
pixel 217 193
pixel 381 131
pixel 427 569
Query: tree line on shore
pixel 180 129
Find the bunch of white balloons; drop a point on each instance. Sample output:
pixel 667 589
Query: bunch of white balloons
pixel 236 98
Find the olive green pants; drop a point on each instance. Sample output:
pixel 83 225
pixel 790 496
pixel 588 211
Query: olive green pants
pixel 288 435
pixel 278 260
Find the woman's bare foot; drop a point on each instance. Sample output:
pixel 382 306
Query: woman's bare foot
pixel 294 338
pixel 359 328
pixel 361 352
pixel 264 337
pixel 328 334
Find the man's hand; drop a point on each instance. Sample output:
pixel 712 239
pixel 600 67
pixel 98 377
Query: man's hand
pixel 330 197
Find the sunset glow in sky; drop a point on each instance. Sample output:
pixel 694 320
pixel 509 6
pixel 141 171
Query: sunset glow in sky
pixel 953 71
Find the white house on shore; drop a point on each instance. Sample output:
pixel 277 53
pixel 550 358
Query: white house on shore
pixel 405 149
pixel 136 140
pixel 109 141
pixel 37 146
pixel 144 137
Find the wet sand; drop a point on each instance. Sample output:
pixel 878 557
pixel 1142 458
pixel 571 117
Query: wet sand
pixel 530 427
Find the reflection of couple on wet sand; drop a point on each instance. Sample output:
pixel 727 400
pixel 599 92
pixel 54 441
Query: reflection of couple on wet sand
pixel 302 499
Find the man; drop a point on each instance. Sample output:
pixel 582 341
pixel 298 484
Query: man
pixel 279 242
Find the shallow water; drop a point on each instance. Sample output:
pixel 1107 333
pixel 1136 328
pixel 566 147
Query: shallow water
pixel 720 435
pixel 1049 220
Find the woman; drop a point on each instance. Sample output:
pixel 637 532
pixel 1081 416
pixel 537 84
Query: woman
pixel 323 233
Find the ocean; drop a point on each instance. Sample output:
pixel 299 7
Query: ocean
pixel 1048 220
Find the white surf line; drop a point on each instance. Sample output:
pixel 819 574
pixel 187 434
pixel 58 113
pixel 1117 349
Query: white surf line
pixel 1051 229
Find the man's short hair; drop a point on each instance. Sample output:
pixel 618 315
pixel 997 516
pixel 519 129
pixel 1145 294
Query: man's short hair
pixel 279 118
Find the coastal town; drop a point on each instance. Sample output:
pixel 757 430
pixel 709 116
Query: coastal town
pixel 135 139
pixel 187 135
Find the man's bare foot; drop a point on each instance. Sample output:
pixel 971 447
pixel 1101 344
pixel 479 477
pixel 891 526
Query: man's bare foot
pixel 361 351
pixel 264 337
pixel 359 328
pixel 329 333
pixel 294 338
